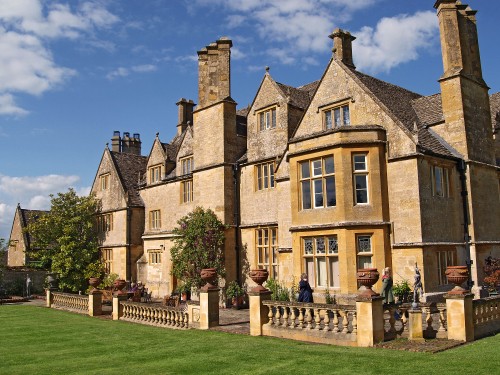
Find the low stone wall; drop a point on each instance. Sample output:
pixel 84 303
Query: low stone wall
pixel 155 315
pixel 486 312
pixel 320 323
pixel 72 302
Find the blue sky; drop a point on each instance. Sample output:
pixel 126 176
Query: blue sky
pixel 72 72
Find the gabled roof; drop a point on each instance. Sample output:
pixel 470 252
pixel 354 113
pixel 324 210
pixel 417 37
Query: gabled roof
pixel 241 121
pixel 27 217
pixel 130 168
pixel 299 96
pixel 399 102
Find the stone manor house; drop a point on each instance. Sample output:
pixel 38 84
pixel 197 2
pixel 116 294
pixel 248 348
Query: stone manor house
pixel 345 172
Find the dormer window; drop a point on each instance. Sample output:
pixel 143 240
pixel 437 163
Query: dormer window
pixel 267 119
pixel 154 174
pixel 187 165
pixel 337 116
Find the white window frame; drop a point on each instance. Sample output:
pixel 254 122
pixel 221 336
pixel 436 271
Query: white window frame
pixel 104 181
pixel 155 174
pixel 155 219
pixel 360 173
pixel 440 181
pixel 316 252
pixel 266 246
pixel 318 180
pixel 362 251
pixel 154 256
pixel 265 176
pixel 267 119
pixel 187 191
pixel 187 165
pixel 337 116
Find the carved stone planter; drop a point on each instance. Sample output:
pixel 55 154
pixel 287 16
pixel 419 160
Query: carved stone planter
pixel 209 275
pixel 94 283
pixel 367 277
pixel 457 275
pixel 119 284
pixel 259 277
pixel 52 281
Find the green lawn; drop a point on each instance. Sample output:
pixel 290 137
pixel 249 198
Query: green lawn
pixel 37 340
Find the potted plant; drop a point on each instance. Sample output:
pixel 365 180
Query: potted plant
pixel 236 293
pixel 401 291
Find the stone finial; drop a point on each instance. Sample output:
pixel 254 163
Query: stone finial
pixel 157 134
pixel 267 69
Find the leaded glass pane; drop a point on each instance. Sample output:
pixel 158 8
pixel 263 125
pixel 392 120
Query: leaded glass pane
pixel 333 245
pixel 308 246
pixel 329 166
pixel 331 199
pixel 306 195
pixel 328 119
pixel 347 117
pixel 364 244
pixel 320 245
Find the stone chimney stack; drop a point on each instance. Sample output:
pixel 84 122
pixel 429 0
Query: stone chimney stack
pixel 214 72
pixel 185 114
pixel 464 94
pixel 459 41
pixel 342 46
pixel 127 144
pixel 116 142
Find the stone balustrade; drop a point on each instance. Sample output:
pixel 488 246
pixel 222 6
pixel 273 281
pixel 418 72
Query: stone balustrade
pixel 73 302
pixel 433 319
pixel 155 315
pixel 486 316
pixel 322 323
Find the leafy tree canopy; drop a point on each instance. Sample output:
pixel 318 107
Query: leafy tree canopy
pixel 65 240
pixel 198 245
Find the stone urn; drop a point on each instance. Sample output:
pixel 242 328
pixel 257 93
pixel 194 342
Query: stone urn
pixel 457 275
pixel 209 275
pixel 259 277
pixel 94 282
pixel 52 281
pixel 367 277
pixel 119 284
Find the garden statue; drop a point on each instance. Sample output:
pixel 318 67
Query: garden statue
pixel 418 290
pixel 387 286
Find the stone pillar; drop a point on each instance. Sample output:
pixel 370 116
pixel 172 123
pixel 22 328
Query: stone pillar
pixel 49 298
pixel 370 316
pixel 415 329
pixel 95 303
pixel 209 308
pixel 459 316
pixel 258 312
pixel 117 307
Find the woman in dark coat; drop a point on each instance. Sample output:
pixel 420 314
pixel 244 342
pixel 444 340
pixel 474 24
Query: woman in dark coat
pixel 305 291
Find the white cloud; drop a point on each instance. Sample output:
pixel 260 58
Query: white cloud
pixel 144 68
pixel 297 26
pixel 394 41
pixel 237 54
pixel 32 192
pixel 124 72
pixel 26 27
pixel 9 107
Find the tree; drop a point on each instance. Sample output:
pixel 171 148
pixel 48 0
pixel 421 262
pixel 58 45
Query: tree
pixel 65 240
pixel 198 245
pixel 3 256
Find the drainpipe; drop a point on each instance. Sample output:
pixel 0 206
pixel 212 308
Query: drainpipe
pixel 461 166
pixel 129 261
pixel 237 220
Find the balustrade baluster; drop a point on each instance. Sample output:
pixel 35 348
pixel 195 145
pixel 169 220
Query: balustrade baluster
pixel 317 320
pixel 293 317
pixel 301 318
pixel 354 323
pixel 392 320
pixel 277 316
pixel 326 320
pixel 404 320
pixel 335 321
pixel 270 316
pixel 442 319
pixel 428 319
pixel 285 316
pixel 344 321
pixel 309 318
